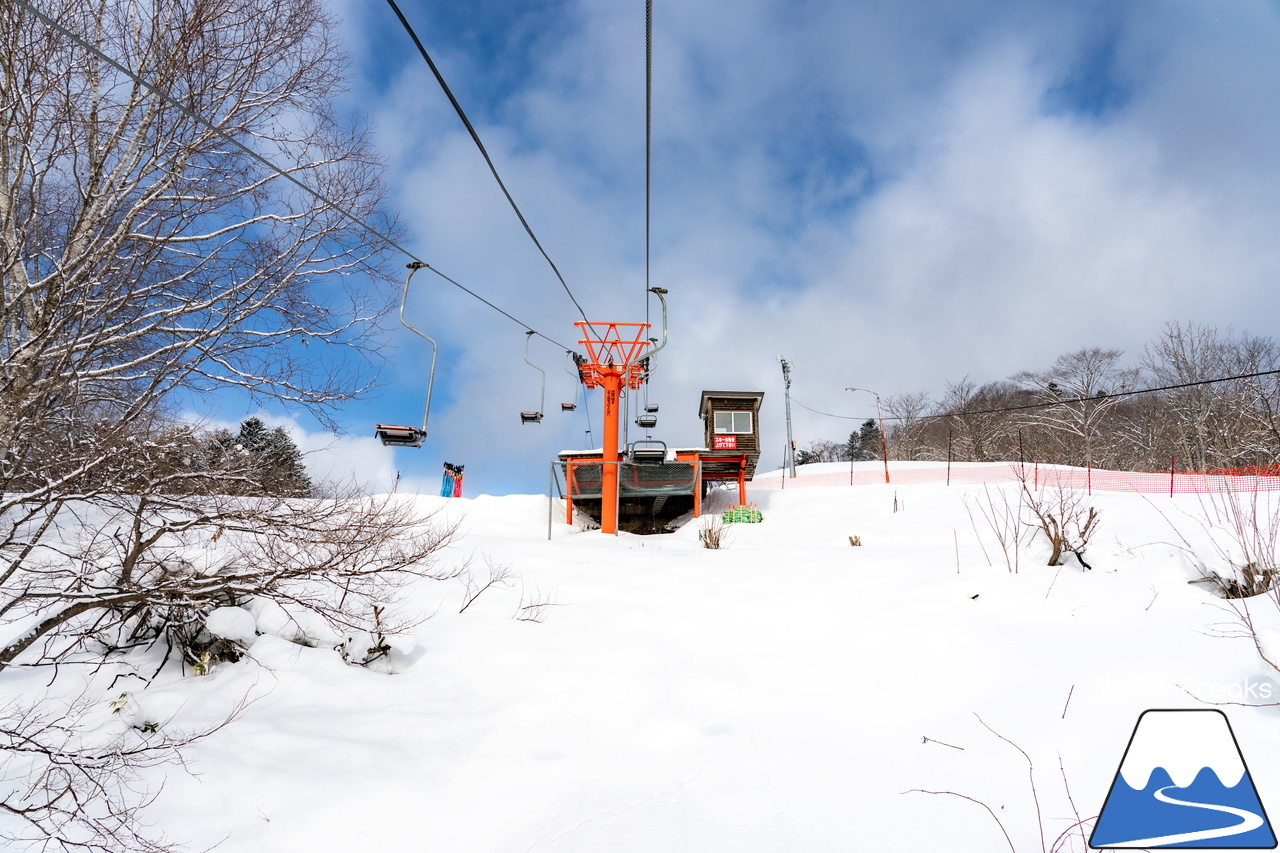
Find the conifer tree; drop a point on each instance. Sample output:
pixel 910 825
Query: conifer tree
pixel 864 444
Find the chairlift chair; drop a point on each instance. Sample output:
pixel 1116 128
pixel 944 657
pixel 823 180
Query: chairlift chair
pixel 534 417
pixel 397 435
pixel 653 453
pixel 570 407
pixel 646 421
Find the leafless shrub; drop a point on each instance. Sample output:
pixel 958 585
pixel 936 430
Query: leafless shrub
pixel 79 790
pixel 1062 842
pixel 498 575
pixel 535 605
pixel 1242 530
pixel 127 570
pixel 1243 533
pixel 712 533
pixel 1002 518
pixel 1065 517
pixel 1251 524
pixel 1252 581
pixel 367 647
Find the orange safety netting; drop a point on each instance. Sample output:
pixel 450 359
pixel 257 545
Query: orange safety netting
pixel 1262 479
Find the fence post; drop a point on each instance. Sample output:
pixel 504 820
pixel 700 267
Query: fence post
pixel 1088 475
pixel 948 457
pixel 1172 462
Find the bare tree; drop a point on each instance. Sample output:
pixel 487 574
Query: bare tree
pixel 1260 396
pixel 140 251
pixel 1219 424
pixel 1089 377
pixel 982 432
pixel 906 413
pixel 822 451
pixel 143 253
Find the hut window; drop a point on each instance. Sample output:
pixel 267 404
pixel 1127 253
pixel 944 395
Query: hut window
pixel 737 423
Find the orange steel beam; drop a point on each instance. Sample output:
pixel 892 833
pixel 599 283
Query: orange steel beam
pixel 612 383
pixel 568 494
pixel 612 365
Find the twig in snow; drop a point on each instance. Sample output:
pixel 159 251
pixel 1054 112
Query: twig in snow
pixel 940 743
pixel 972 800
pixel 1031 775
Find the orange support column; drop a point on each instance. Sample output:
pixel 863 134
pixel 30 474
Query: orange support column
pixel 742 482
pixel 612 384
pixel 568 494
pixel 613 363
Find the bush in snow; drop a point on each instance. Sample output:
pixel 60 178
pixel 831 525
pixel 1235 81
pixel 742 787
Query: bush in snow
pixel 1064 516
pixel 712 533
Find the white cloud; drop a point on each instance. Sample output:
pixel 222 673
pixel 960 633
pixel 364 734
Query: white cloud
pixel 962 229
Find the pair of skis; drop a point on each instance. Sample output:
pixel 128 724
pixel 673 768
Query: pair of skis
pixel 451 484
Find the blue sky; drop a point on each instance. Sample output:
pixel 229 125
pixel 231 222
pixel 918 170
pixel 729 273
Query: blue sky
pixel 889 194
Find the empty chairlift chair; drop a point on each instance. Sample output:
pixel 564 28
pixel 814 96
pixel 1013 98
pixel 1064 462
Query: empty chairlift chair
pixel 396 435
pixel 399 435
pixel 577 380
pixel 534 417
pixel 649 419
pixel 648 451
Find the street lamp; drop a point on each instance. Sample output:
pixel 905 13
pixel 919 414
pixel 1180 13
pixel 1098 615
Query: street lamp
pixel 884 448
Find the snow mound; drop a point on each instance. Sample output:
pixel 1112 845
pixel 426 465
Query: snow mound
pixel 232 623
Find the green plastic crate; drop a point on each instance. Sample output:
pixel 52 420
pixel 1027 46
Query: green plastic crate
pixel 742 514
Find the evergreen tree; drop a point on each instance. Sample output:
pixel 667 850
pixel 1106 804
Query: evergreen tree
pixel 269 461
pixel 254 436
pixel 281 463
pixel 864 444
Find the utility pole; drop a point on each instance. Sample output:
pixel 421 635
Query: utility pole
pixel 791 444
pixel 884 447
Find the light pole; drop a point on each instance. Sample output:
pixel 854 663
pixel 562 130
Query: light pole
pixel 884 448
pixel 791 445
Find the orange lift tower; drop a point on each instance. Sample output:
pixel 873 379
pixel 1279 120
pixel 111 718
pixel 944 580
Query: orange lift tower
pixel 615 361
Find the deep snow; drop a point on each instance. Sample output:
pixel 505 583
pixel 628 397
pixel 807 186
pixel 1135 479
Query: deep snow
pixel 783 693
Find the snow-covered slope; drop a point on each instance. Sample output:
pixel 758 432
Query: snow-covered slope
pixel 784 693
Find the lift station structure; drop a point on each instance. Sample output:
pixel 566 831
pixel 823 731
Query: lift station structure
pixel 658 484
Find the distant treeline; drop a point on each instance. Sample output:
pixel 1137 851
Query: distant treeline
pixel 1083 411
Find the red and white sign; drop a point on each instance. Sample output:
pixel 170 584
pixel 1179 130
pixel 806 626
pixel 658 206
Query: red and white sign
pixel 724 442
